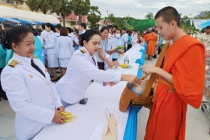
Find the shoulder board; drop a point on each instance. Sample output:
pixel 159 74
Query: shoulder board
pixel 83 51
pixel 13 63
pixel 34 56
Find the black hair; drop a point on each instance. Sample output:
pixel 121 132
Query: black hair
pixel 168 14
pixel 109 26
pixel 87 36
pixel 43 26
pixel 76 31
pixel 207 27
pixel 69 29
pixel 14 35
pixel 58 26
pixel 124 29
pixel 83 25
pixel 51 26
pixel 104 28
pixel 115 26
pixel 34 31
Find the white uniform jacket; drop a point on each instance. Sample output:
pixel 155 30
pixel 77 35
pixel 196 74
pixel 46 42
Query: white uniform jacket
pixel 64 47
pixel 80 71
pixel 50 43
pixel 31 95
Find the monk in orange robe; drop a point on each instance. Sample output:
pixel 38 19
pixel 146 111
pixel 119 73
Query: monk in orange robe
pixel 151 40
pixel 179 82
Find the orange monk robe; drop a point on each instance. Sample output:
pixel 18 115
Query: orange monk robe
pixel 185 60
pixel 151 40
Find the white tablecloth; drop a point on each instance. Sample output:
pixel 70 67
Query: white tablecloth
pixel 90 120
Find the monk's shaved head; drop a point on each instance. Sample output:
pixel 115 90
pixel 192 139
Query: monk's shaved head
pixel 168 14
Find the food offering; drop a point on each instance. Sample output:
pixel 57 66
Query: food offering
pixel 68 115
pixel 125 66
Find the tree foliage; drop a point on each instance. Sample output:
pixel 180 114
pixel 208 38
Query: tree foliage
pixel 187 25
pixel 81 8
pixel 149 15
pixel 94 16
pixel 61 7
pixel 110 19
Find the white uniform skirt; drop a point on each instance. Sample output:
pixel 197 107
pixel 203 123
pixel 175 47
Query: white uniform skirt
pixel 52 61
pixel 64 62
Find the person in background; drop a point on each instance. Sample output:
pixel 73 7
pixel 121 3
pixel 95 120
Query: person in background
pixel 151 40
pixel 115 27
pixel 205 38
pixel 124 39
pixel 134 37
pixel 101 55
pixel 118 42
pixel 57 31
pixel 179 82
pixel 52 61
pixel 76 40
pixel 43 36
pixel 38 45
pixel 129 40
pixel 64 49
pixel 2 62
pixel 27 84
pixel 83 68
pixel 82 28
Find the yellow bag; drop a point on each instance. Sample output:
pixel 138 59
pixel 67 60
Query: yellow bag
pixel 110 131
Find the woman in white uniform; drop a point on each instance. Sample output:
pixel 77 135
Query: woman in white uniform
pixel 52 60
pixel 82 68
pixel 27 84
pixel 65 50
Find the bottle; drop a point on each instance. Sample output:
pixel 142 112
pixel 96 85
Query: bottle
pixel 126 61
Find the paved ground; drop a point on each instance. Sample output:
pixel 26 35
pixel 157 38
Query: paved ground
pixel 197 122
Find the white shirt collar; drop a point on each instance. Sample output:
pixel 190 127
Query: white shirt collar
pixel 22 59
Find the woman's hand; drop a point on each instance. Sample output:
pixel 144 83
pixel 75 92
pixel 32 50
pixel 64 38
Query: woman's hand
pixel 110 52
pixel 111 84
pixel 129 78
pixel 61 108
pixel 113 63
pixel 58 118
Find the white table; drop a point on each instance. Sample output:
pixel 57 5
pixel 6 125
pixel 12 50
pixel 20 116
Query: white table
pixel 91 117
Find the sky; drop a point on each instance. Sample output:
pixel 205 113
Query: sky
pixel 139 8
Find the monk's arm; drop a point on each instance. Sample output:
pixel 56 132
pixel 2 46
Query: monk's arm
pixel 167 76
pixel 148 69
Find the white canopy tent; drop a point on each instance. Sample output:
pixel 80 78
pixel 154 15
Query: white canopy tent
pixel 7 12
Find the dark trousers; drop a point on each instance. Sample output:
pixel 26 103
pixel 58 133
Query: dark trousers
pixel 129 46
pixel 101 65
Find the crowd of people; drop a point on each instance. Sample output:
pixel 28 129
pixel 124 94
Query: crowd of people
pixel 83 55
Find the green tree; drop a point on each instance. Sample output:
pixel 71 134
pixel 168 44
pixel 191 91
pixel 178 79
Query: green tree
pixel 81 8
pixel 94 16
pixel 149 15
pixel 110 19
pixel 62 8
pixel 33 5
pixel 42 5
pixel 187 25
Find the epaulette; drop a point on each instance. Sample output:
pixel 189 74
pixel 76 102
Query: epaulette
pixel 13 63
pixel 34 56
pixel 83 51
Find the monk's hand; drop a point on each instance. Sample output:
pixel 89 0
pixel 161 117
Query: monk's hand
pixel 149 69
